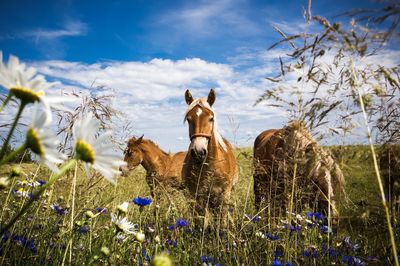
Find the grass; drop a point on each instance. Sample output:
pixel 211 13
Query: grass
pixel 43 235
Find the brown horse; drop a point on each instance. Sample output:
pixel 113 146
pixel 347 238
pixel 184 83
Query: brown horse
pixel 162 168
pixel 289 162
pixel 390 169
pixel 209 171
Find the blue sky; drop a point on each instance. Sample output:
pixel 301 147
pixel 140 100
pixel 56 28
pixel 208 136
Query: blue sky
pixel 149 52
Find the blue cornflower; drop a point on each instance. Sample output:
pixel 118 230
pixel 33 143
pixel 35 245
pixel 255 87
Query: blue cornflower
pixel 145 255
pixel 41 182
pixel 293 228
pixel 83 230
pixel 307 253
pixel 141 202
pixel 253 218
pixel 101 210
pixel 289 264
pixel 182 223
pixel 278 253
pixel 29 244
pixel 172 243
pixel 349 244
pixel 171 227
pixel 57 208
pixel 272 237
pixel 208 260
pixel 276 262
pixel 318 216
pixel 325 229
pixel 352 261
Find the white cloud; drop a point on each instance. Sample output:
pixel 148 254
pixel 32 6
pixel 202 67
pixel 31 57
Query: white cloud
pixel 152 94
pixel 70 28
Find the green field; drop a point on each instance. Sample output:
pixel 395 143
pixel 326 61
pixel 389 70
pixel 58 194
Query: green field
pixel 45 237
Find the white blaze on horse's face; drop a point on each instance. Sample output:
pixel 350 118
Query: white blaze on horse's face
pixel 200 117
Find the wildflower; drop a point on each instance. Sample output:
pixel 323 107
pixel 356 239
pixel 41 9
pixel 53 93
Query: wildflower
pixel 29 244
pixel 41 141
pixel 120 237
pixel 101 210
pixel 350 260
pixel 57 208
pixel 157 239
pixel 94 151
pixel 276 262
pixel 349 244
pixel 260 234
pixel 161 260
pixel 278 253
pixel 207 260
pixel 141 202
pixel 272 237
pixel 83 230
pixel 253 218
pixel 145 255
pixel 123 225
pixel 325 229
pixel 172 243
pixel 140 236
pixel 182 223
pixel 21 193
pixel 26 85
pixel 123 208
pixel 171 227
pixel 318 216
pixel 4 182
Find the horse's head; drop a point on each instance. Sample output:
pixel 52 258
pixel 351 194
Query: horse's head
pixel 133 155
pixel 200 117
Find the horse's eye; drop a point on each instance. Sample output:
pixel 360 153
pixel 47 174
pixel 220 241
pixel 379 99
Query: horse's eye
pixel 212 119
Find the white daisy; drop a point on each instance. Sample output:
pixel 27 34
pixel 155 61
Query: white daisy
pixel 26 85
pixel 41 141
pixel 123 208
pixel 123 225
pixel 97 152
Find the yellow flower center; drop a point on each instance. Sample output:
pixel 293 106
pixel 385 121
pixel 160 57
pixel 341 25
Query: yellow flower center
pixel 26 95
pixel 84 151
pixel 33 142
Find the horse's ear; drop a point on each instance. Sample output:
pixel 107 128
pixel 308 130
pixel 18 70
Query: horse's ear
pixel 139 140
pixel 211 97
pixel 188 97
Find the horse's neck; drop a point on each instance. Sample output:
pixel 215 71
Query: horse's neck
pixel 154 160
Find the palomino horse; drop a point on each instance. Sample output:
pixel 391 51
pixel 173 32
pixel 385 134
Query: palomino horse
pixel 209 171
pixel 162 168
pixel 290 167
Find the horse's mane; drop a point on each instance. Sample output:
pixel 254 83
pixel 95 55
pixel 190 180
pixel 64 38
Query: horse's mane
pixel 202 102
pixel 147 141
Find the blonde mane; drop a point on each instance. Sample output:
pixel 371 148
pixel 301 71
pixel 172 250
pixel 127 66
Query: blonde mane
pixel 202 102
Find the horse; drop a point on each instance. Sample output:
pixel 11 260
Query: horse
pixel 389 163
pixel 209 171
pixel 291 169
pixel 161 167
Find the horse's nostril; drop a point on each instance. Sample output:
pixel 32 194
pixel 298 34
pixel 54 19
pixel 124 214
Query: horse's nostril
pixel 203 152
pixel 193 153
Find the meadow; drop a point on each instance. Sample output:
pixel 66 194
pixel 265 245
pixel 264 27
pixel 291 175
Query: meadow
pixel 79 229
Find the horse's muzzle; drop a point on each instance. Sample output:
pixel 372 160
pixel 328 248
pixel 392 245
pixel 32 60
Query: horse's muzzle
pixel 124 170
pixel 198 154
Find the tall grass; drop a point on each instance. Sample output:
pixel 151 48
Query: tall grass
pixel 45 236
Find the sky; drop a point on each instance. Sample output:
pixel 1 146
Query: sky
pixel 147 53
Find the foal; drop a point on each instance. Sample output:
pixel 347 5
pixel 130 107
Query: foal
pixel 209 171
pixel 162 168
